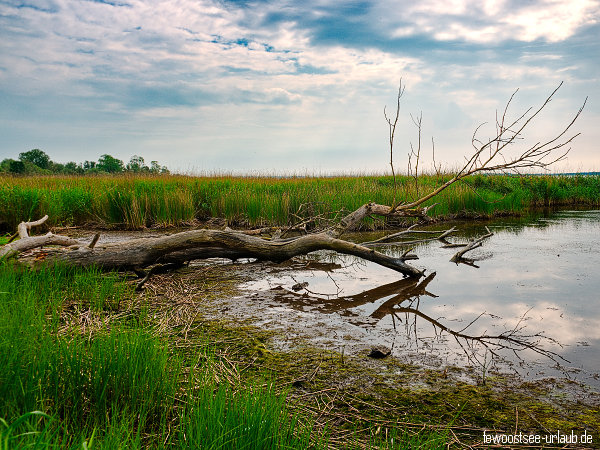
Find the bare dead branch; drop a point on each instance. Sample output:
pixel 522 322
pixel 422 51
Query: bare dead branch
pixel 416 154
pixel 392 131
pixel 496 154
pixel 458 256
pixel 408 231
pixel 24 227
pixel 27 243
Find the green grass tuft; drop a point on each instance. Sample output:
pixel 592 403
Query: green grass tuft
pixel 120 386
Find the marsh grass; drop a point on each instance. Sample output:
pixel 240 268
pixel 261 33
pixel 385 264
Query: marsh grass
pixel 81 368
pixel 78 370
pixel 81 384
pixel 120 386
pixel 221 419
pixel 137 201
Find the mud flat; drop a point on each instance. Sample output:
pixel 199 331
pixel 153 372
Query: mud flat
pixel 357 345
pixel 537 277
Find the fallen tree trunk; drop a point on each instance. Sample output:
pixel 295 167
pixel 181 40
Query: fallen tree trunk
pixel 373 209
pixel 202 244
pixel 197 244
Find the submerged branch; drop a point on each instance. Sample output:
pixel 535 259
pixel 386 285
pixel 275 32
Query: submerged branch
pixel 458 256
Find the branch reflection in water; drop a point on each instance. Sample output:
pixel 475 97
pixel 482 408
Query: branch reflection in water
pixel 402 307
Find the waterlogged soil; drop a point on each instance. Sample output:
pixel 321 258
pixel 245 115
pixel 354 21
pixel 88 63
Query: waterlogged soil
pixel 536 280
pixel 508 340
pixel 531 290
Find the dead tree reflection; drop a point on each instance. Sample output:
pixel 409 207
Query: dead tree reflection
pixel 403 307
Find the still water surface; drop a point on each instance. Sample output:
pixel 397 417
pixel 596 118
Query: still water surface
pixel 536 279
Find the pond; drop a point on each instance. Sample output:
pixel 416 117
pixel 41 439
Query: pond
pixel 528 302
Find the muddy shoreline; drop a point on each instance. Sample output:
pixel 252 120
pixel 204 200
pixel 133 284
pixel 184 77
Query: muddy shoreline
pixel 298 338
pixel 341 384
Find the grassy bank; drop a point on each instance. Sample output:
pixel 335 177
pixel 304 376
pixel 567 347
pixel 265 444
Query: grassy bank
pixel 137 201
pixel 85 362
pixel 78 371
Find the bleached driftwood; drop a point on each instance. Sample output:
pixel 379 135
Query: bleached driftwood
pixel 200 244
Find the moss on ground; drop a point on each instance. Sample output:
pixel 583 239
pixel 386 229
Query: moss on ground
pixel 347 393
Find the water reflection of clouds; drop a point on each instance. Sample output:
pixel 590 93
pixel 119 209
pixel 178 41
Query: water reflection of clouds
pixel 545 317
pixel 543 276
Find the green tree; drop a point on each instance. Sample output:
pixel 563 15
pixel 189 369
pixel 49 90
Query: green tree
pixel 88 165
pixel 36 157
pixel 154 167
pixel 72 168
pixel 137 164
pixel 55 167
pixel 4 164
pixel 16 166
pixel 107 163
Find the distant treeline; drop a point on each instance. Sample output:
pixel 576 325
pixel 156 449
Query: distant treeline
pixel 37 161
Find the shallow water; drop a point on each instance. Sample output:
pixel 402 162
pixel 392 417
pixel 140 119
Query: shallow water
pixel 536 280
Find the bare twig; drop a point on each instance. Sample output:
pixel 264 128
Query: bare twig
pixel 387 239
pixel 495 155
pixel 392 131
pixel 415 153
pixel 436 168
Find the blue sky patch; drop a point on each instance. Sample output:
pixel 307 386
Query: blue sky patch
pixel 294 84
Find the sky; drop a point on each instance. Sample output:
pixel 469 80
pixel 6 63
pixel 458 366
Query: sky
pixel 290 87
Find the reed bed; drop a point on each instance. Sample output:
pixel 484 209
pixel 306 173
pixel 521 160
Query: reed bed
pixel 138 201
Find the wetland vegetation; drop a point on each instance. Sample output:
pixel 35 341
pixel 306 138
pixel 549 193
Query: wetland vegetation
pixel 138 201
pixel 88 362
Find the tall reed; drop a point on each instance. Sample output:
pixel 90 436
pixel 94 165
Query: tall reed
pixel 137 201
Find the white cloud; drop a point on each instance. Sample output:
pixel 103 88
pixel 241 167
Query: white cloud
pixel 492 21
pixel 159 60
pixel 552 20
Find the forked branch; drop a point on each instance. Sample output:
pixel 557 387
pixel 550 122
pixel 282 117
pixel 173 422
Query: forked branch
pixel 502 153
pixel 392 123
pixel 458 257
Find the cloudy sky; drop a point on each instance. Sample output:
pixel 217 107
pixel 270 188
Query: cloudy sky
pixel 289 86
